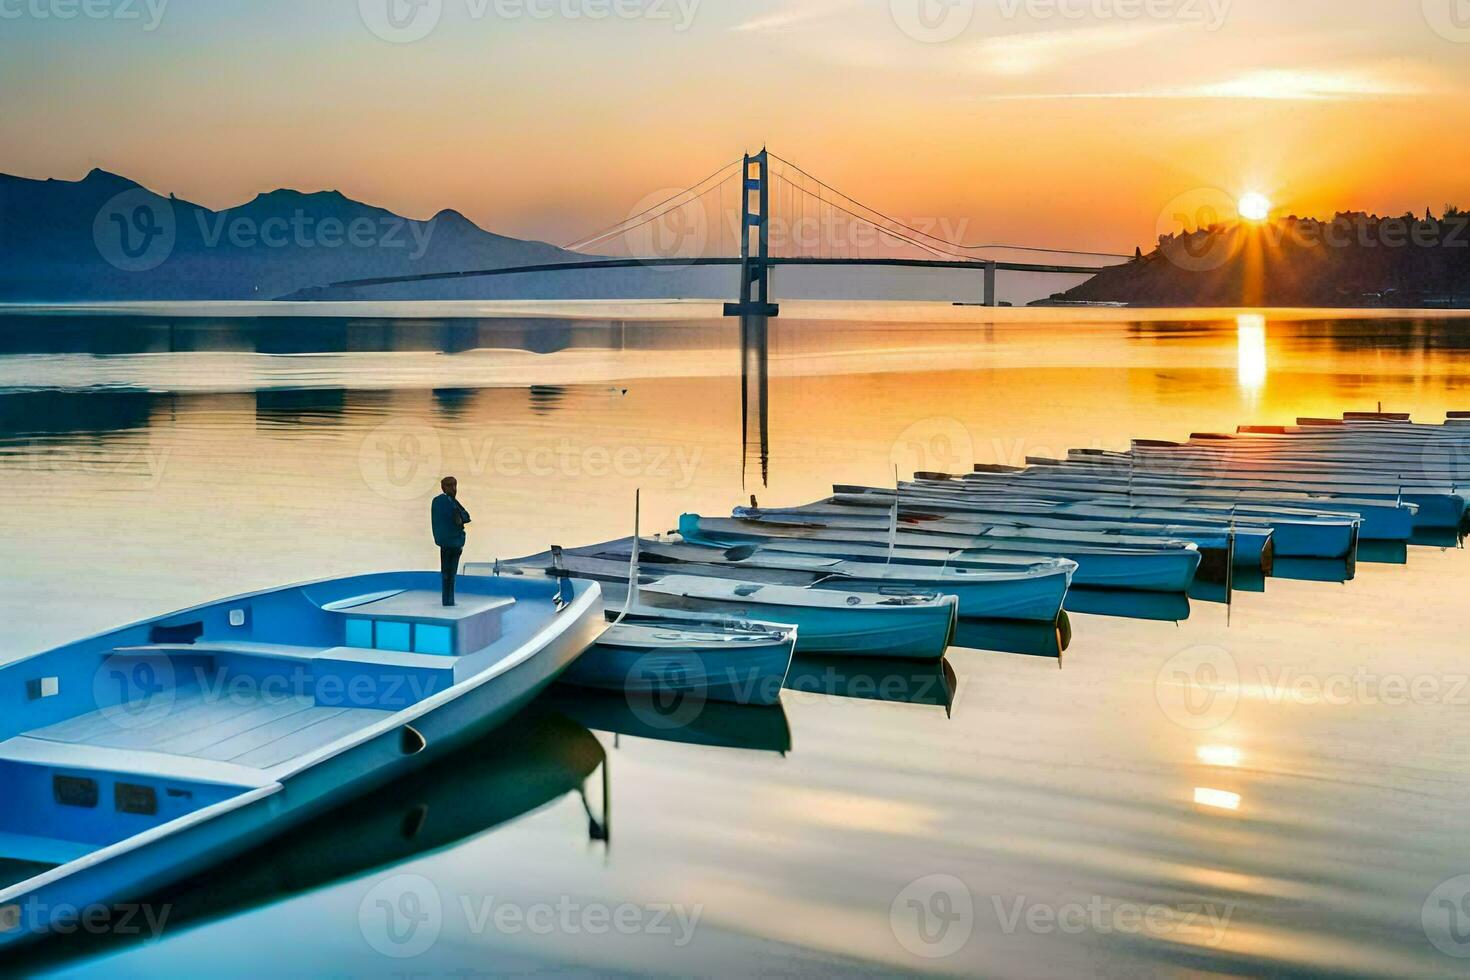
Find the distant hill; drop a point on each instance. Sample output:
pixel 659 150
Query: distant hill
pixel 106 238
pixel 1354 260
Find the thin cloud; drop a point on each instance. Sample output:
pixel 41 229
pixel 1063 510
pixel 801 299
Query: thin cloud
pixel 1279 86
pixel 794 15
pixel 1025 54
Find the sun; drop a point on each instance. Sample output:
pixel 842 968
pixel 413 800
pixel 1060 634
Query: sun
pixel 1254 207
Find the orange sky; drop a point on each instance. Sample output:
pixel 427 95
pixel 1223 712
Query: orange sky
pixel 1039 121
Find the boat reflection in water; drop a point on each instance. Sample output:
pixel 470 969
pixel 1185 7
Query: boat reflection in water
pixel 1244 580
pixel 533 760
pixel 1044 640
pixel 870 679
pixel 1438 537
pixel 1159 607
pixel 1386 552
pixel 683 717
pixel 1316 570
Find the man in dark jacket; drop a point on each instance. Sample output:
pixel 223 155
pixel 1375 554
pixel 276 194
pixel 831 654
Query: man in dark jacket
pixel 449 519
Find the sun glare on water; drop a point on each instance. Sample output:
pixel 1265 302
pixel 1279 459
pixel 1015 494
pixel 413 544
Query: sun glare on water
pixel 1254 207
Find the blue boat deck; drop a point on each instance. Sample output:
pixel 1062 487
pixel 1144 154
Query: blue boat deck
pixel 244 728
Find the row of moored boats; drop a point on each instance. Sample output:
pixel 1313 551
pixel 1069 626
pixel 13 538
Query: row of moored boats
pixel 891 571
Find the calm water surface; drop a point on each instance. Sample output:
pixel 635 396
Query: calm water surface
pixel 1090 818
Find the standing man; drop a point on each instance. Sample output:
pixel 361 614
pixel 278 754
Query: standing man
pixel 449 519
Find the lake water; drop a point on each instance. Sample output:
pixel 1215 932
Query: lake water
pixel 1072 816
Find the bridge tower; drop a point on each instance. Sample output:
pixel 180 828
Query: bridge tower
pixel 755 269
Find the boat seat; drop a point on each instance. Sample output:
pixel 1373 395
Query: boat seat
pixel 79 756
pixel 281 651
pixel 341 676
pixel 418 621
pixel 45 851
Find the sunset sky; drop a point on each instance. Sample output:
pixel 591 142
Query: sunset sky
pixel 1047 122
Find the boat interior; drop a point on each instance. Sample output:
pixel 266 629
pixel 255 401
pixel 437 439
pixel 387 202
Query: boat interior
pixel 112 736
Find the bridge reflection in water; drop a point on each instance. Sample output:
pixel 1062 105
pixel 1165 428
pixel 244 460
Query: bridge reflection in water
pixel 755 396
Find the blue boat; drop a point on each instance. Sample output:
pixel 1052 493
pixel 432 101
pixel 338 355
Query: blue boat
pixel 1163 567
pixel 138 757
pixel 905 625
pixel 1029 589
pixel 901 622
pixel 1292 535
pixel 1252 547
pixel 1382 520
pixel 534 759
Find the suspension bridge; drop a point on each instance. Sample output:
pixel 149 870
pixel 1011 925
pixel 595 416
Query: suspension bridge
pixel 762 212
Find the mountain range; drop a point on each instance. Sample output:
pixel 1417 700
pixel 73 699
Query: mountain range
pixel 107 238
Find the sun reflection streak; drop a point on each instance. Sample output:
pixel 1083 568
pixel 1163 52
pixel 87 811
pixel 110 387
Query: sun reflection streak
pixel 1251 344
pixel 1218 755
pixel 1216 798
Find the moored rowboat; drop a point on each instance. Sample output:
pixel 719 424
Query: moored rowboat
pixel 1165 567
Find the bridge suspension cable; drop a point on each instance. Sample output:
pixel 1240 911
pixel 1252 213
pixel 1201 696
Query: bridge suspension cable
pixel 935 238
pixel 647 216
pixel 894 235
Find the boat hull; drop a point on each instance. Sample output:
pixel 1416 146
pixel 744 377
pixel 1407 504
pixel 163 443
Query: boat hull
pixel 753 674
pixel 1036 598
pixel 909 632
pixel 170 852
